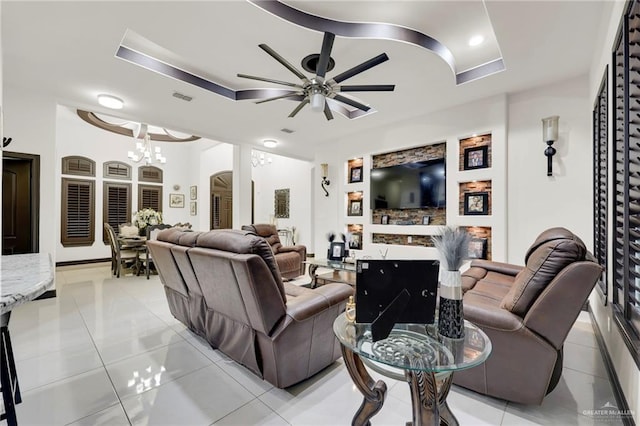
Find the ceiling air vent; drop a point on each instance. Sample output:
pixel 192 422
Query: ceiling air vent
pixel 181 96
pixel 285 130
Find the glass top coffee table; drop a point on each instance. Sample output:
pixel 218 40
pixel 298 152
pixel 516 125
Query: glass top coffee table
pixel 412 352
pixel 337 267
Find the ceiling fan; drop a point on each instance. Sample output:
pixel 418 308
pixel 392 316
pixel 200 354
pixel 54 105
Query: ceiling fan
pixel 315 90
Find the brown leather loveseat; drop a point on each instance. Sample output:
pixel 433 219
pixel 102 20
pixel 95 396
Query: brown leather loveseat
pixel 225 286
pixel 289 258
pixel 527 313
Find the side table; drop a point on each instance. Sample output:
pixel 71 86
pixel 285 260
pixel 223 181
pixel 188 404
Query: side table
pixel 419 356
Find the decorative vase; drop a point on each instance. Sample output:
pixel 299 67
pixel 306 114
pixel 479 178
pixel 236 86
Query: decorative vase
pixel 450 313
pixel 350 310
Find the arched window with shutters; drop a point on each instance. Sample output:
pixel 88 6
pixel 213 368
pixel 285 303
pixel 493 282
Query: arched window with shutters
pixel 77 227
pixel 149 174
pixel 116 205
pixel 116 170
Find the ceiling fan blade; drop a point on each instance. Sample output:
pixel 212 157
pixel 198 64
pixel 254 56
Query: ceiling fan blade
pixel 361 68
pixel 283 61
pixel 299 107
pixel 325 54
pixel 368 88
pixel 351 102
pixel 286 95
pixel 269 80
pixel 327 111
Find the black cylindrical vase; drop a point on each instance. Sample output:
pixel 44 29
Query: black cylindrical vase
pixel 450 313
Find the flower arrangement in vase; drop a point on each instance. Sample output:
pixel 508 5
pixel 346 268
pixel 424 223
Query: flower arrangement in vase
pixel 453 245
pixel 145 217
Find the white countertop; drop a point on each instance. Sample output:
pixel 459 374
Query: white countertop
pixel 23 277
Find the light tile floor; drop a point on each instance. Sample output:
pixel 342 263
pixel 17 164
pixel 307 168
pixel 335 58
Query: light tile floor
pixel 107 351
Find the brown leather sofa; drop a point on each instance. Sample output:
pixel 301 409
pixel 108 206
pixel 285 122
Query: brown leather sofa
pixel 225 286
pixel 289 258
pixel 527 313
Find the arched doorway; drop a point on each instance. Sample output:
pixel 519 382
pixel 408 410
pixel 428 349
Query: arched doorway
pixel 221 190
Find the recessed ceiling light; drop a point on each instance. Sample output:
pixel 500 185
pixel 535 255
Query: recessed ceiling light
pixel 476 40
pixel 270 143
pixel 109 101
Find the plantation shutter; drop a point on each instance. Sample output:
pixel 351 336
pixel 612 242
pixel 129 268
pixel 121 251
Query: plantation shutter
pixel 77 165
pixel 149 174
pixel 626 253
pixel 150 197
pixel 216 199
pixel 117 170
pixel 601 181
pixel 117 205
pixel 78 212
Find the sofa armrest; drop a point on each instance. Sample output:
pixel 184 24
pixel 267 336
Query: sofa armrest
pixel 298 248
pixel 493 317
pixel 312 302
pixel 500 267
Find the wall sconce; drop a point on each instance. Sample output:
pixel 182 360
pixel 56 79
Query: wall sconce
pixel 325 181
pixel 550 135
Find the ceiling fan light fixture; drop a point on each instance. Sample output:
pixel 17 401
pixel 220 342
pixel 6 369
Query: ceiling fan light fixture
pixel 109 101
pixel 317 102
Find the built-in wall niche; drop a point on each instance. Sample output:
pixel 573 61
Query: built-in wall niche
pixel 480 241
pixel 417 198
pixel 355 171
pixel 354 203
pixel 354 236
pixel 475 152
pixel 475 198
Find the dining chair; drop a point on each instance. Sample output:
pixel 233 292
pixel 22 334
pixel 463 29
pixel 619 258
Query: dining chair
pixel 152 234
pixel 120 257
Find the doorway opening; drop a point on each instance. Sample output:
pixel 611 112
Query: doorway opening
pixel 20 203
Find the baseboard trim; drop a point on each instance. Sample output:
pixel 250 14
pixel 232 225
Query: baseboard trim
pixel 82 262
pixel 621 401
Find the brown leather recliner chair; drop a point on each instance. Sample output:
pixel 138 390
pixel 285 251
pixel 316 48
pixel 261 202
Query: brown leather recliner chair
pixel 289 258
pixel 225 286
pixel 527 313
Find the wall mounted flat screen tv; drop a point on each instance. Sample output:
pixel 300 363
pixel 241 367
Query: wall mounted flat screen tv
pixel 409 186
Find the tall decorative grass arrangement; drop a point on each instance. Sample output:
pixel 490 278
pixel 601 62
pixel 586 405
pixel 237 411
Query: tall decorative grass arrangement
pixel 453 245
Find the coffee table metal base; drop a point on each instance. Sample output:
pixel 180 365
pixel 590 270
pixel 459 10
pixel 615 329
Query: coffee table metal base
pixel 429 392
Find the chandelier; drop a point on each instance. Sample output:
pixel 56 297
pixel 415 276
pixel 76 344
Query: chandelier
pixel 259 159
pixel 144 151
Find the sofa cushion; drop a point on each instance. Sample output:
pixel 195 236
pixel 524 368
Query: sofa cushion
pixel 243 242
pixel 552 251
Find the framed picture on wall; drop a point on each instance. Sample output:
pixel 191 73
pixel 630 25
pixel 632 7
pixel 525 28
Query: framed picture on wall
pixel 193 192
pixel 193 208
pixel 476 203
pixel 176 200
pixel 355 208
pixel 355 241
pixel 355 175
pixel 476 157
pixel 478 248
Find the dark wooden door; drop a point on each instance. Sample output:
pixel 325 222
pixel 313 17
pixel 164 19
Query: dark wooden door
pixel 17 209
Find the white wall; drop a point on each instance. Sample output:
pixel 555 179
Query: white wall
pixel 625 367
pixel 285 173
pixel 537 201
pixel 30 119
pixel 481 117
